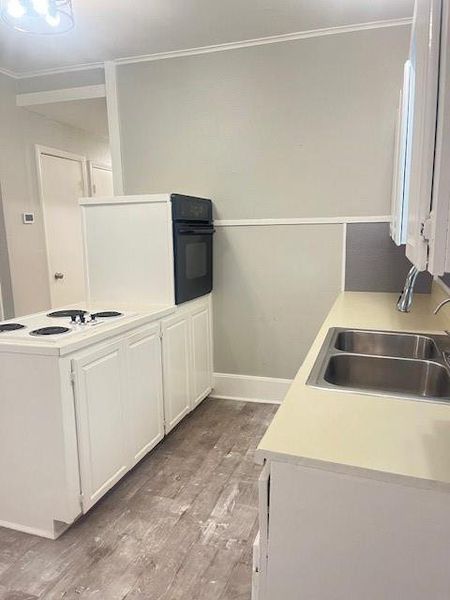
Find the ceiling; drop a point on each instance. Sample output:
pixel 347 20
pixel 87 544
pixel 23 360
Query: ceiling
pixel 111 29
pixel 89 114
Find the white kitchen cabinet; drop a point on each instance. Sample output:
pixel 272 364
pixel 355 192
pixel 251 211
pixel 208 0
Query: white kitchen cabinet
pixel 201 352
pixel 424 176
pixel 92 410
pixel 334 535
pixel 176 368
pixel 101 408
pixel 145 395
pixel 187 359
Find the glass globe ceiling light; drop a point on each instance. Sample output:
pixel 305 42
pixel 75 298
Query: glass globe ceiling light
pixel 45 17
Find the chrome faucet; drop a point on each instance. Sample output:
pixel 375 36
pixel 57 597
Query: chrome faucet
pixel 406 297
pixel 440 305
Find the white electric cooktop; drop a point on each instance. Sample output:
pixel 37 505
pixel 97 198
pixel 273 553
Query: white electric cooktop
pixel 56 325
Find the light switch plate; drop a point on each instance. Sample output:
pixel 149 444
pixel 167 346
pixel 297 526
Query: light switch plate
pixel 28 218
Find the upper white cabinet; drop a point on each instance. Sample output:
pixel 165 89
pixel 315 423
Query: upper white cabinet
pixel 201 353
pixel 100 378
pixel 439 258
pixel 424 57
pixel 421 172
pixel 145 395
pixel 176 368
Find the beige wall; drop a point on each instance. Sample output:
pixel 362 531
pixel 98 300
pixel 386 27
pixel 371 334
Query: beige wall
pixel 301 128
pixel 20 130
pixel 272 287
pixel 298 129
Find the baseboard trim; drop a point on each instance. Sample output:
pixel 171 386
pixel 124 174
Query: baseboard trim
pixel 248 388
pixel 44 533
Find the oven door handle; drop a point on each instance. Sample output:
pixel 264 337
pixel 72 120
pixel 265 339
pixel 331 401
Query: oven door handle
pixel 196 231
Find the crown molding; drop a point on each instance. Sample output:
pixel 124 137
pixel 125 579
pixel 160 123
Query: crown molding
pixel 8 73
pixel 275 39
pixel 57 70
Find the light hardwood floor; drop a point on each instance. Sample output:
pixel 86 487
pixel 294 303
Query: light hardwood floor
pixel 180 526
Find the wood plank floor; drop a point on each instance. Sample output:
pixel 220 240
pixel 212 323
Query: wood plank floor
pixel 180 526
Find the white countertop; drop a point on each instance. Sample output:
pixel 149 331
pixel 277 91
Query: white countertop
pixel 21 342
pixel 378 437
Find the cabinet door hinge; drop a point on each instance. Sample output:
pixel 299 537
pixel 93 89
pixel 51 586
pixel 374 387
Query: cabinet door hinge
pixel 81 497
pixel 72 378
pixel 425 230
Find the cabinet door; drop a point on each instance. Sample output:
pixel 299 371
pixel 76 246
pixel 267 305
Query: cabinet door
pixel 424 57
pixel 101 420
pixel 176 369
pixel 439 258
pixel 201 354
pixel 145 399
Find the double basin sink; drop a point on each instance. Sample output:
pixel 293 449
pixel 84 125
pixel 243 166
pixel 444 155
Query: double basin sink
pixel 405 365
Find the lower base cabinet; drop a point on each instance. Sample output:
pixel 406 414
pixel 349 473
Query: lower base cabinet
pixel 100 394
pixel 120 412
pixel 131 392
pixel 85 418
pixel 201 353
pixel 176 369
pixel 145 392
pixel 187 359
pixel 344 535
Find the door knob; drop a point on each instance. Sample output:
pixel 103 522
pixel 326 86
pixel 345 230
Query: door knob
pixel 59 275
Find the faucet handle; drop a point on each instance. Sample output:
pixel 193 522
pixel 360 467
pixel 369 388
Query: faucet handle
pixel 440 305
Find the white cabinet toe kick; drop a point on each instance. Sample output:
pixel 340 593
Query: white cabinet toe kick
pixel 72 426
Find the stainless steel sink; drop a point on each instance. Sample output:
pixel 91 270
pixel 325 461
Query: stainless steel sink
pixel 384 363
pixel 387 344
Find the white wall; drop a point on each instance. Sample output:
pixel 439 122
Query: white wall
pixel 20 131
pixel 298 129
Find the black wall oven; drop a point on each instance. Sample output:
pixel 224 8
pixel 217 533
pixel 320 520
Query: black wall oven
pixel 193 232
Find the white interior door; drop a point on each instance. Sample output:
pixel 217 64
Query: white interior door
pixel 62 184
pixel 101 180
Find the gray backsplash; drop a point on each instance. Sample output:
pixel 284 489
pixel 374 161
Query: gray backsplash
pixel 446 279
pixel 374 263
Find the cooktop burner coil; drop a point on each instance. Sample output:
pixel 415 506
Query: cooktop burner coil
pixel 106 314
pixel 11 327
pixel 73 312
pixel 49 331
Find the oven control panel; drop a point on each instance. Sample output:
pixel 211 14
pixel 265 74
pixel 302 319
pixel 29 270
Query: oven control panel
pixel 189 208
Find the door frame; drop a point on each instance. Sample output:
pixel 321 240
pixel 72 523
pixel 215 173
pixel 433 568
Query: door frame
pixel 92 164
pixel 40 151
